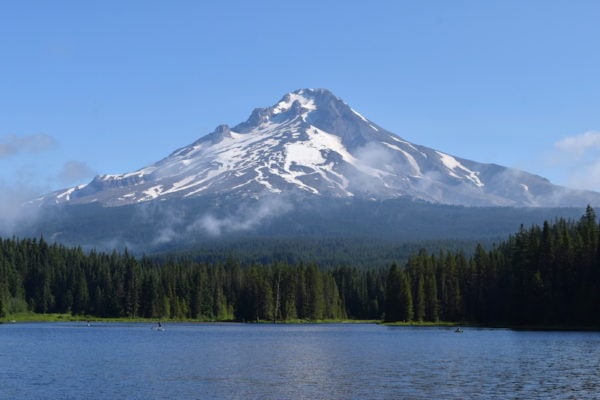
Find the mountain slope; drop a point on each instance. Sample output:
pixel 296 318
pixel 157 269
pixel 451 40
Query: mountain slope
pixel 222 221
pixel 311 143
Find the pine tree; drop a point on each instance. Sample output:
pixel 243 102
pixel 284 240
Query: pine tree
pixel 398 305
pixel 432 307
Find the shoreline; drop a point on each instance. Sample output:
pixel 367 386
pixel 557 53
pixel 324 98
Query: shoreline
pixel 31 317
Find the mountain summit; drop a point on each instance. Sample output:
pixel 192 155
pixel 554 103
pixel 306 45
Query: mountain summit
pixel 313 143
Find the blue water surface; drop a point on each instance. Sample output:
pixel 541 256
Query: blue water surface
pixel 337 361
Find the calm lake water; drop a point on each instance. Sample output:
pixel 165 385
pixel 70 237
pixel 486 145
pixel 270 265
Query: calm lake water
pixel 238 361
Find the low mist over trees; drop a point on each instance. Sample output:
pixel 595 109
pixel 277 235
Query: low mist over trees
pixel 542 275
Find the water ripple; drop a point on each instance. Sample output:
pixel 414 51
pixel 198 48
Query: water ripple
pixel 236 361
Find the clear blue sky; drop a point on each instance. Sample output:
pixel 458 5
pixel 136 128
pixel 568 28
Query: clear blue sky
pixel 90 87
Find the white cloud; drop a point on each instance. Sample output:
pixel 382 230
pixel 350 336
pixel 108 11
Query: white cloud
pixel 580 145
pixel 579 157
pixel 587 176
pixel 246 218
pixel 74 172
pixel 14 211
pixel 11 145
pixel 25 175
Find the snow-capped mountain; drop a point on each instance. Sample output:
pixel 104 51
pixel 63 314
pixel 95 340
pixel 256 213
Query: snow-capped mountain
pixel 313 143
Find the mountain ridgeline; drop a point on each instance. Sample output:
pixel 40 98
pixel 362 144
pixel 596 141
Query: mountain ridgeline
pixel 313 143
pixel 309 166
pixel 541 276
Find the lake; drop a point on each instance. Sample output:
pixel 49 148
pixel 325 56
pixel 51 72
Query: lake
pixel 329 361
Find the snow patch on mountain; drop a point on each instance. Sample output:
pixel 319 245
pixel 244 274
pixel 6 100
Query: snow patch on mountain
pixel 288 101
pixel 452 164
pixel 312 142
pixel 416 170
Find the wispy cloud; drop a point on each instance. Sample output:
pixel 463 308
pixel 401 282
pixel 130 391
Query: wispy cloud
pixel 586 176
pixel 22 182
pixel 246 217
pixel 580 145
pixel 177 223
pixel 74 172
pixel 24 177
pixel 579 155
pixel 14 211
pixel 11 145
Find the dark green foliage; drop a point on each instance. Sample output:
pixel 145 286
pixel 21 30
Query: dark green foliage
pixel 398 297
pixel 548 275
pixel 56 279
pixel 355 232
pixel 362 252
pixel 539 276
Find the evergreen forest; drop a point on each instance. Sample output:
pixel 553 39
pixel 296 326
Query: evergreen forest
pixel 545 275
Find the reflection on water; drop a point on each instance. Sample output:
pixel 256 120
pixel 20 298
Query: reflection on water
pixel 237 361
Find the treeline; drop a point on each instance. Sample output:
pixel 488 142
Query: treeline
pixel 548 275
pixel 42 278
pixel 359 252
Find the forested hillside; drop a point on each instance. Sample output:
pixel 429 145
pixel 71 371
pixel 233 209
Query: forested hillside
pixel 542 275
pixel 355 232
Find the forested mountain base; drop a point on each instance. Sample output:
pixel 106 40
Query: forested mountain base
pixel 547 275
